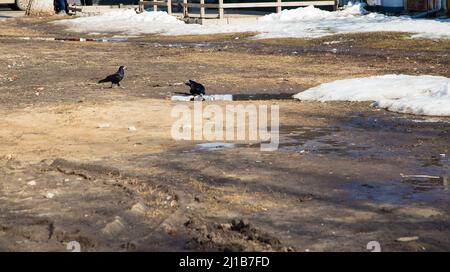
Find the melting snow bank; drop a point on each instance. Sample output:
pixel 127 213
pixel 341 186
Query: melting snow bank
pixel 308 22
pixel 421 95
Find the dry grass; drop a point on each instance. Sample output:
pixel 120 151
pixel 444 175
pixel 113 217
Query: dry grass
pixel 374 40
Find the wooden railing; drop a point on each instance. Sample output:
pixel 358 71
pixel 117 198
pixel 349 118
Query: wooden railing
pixel 221 6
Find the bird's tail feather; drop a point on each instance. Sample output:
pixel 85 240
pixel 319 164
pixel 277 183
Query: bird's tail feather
pixel 103 80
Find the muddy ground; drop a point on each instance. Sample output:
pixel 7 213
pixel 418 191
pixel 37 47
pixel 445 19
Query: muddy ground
pixel 334 184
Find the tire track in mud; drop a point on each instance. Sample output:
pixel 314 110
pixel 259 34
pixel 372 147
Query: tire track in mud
pixel 136 188
pixel 184 226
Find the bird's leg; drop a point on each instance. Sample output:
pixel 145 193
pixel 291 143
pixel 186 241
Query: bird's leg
pixel 112 84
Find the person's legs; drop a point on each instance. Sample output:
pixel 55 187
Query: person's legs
pixel 60 6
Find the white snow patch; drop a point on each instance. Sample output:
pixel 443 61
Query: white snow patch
pixel 421 95
pixel 42 7
pixel 214 97
pixel 308 22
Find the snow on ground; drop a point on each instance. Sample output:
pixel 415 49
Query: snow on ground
pixel 308 22
pixel 421 95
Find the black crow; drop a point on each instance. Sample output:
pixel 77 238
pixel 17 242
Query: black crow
pixel 196 88
pixel 115 78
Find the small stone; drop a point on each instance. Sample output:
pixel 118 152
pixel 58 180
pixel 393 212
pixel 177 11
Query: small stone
pixel 407 239
pixel 114 227
pixel 238 226
pixel 31 183
pixel 225 226
pixel 202 228
pixel 49 195
pixel 132 128
pixel 105 125
pixel 138 208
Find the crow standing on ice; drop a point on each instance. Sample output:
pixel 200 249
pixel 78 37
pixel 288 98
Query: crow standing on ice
pixel 196 88
pixel 115 78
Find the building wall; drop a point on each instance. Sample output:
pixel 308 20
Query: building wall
pixel 412 5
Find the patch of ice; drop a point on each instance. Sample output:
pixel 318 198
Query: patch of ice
pixel 307 22
pixel 421 95
pixel 215 146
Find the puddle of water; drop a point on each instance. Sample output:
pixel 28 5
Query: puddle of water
pixel 394 121
pixel 320 140
pixel 214 146
pixel 440 160
pixel 334 141
pixel 263 96
pixel 399 191
pixel 114 39
pixel 177 45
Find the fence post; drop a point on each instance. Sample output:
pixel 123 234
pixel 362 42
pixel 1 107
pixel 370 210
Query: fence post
pixel 155 7
pixel 169 7
pixel 202 9
pixel 279 8
pixel 221 13
pixel 185 9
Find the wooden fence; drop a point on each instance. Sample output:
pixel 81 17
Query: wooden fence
pixel 221 6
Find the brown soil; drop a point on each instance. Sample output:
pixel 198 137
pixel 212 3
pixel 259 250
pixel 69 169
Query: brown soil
pixel 333 185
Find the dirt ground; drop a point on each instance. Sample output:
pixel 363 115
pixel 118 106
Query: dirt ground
pixel 334 184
